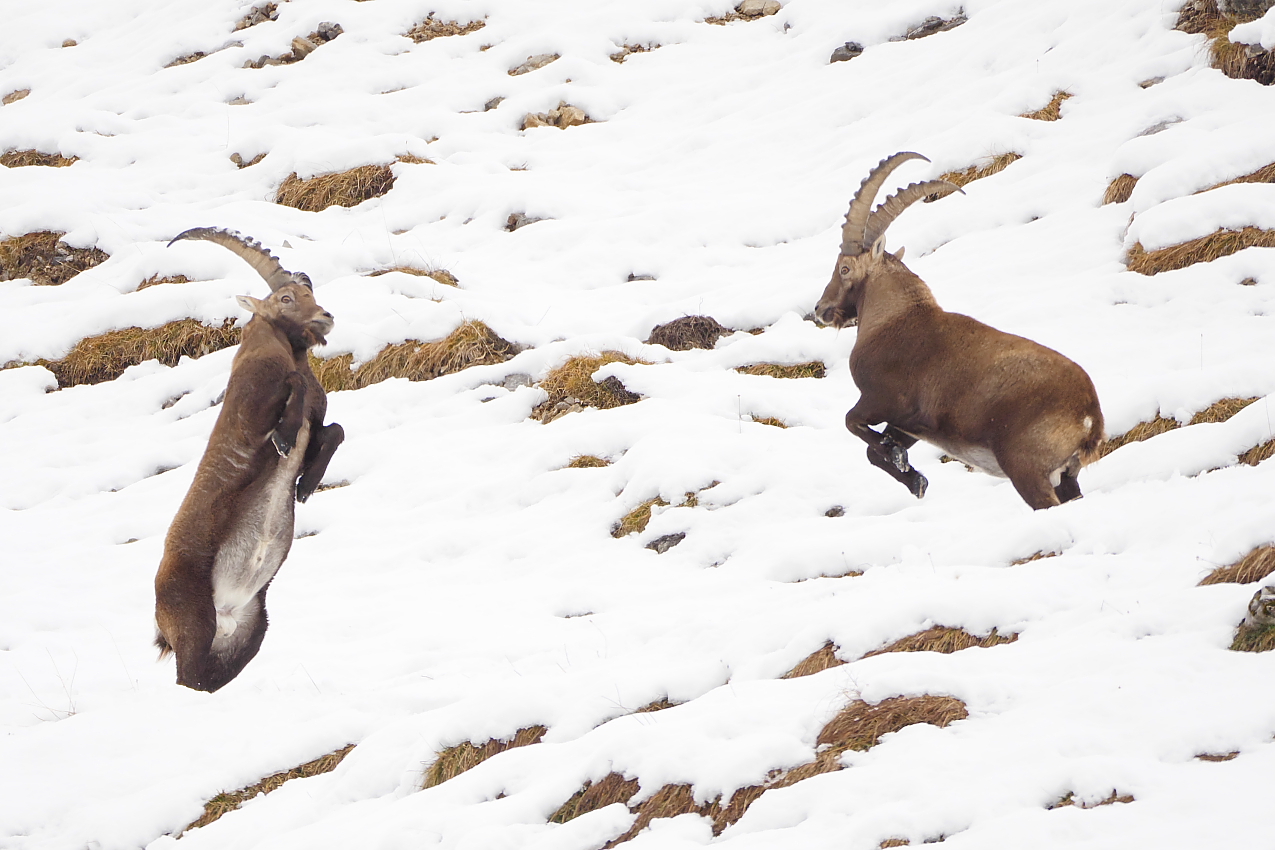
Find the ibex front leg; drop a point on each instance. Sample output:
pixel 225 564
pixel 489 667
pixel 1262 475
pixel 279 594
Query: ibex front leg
pixel 323 444
pixel 888 450
pixel 285 432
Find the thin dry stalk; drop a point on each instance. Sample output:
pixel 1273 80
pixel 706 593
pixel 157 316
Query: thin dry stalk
pixel 571 387
pixel 637 519
pixel 431 28
pixel 1069 799
pixel 344 188
pixel 454 761
pixel 1120 190
pixel 1221 243
pixel 814 369
pixel 471 344
pixel 105 357
pixel 610 789
pixel 687 333
pixel 1253 567
pixel 823 658
pixel 156 280
pixel 1051 111
pixel 22 159
pixel 943 639
pixel 43 257
pixel 228 802
pixel 996 165
pixel 588 462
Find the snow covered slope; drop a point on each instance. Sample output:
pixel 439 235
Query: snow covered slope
pixel 465 584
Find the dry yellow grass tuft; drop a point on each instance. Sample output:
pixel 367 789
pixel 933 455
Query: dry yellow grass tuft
pixel 1251 638
pixel 1069 799
pixel 823 658
pixel 1265 174
pixel 431 28
pixel 105 357
pixel 471 344
pixel 454 761
pixel 14 96
pixel 440 275
pixel 1120 190
pixel 814 369
pixel 687 333
pixel 894 842
pixel 943 639
pixel 1257 454
pixel 1218 411
pixel 45 258
pixel 658 705
pixel 228 802
pixel 588 462
pixel 22 159
pixel 1238 61
pixel 1037 557
pixel 1221 243
pixel 995 165
pixel 637 519
pixel 156 280
pixel 1254 566
pixel 610 789
pixel 571 387
pixel 344 188
pixel 770 420
pixel 1051 111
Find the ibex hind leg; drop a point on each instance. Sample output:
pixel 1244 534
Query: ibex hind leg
pixel 1031 482
pixel 1068 488
pixel 229 656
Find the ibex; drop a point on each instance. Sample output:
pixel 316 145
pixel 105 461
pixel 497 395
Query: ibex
pixel 235 526
pixel 998 402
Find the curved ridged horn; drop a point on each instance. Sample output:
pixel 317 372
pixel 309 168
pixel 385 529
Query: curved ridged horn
pixel 262 261
pixel 857 217
pixel 885 214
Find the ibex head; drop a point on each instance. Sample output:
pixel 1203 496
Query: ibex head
pixel 292 309
pixel 863 238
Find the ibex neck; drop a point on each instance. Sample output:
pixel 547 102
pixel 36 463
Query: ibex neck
pixel 893 294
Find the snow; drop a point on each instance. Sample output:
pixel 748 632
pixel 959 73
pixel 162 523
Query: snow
pixel 465 584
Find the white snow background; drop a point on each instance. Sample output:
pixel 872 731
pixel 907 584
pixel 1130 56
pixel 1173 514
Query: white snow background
pixel 465 584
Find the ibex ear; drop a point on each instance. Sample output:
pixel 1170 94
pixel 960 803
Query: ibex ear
pixel 878 247
pixel 252 305
pixel 898 255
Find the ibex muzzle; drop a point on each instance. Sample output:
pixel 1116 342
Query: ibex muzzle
pixel 998 402
pixel 268 447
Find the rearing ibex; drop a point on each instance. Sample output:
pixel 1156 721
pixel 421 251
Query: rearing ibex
pixel 998 402
pixel 235 526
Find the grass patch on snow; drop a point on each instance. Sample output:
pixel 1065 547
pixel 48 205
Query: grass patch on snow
pixel 1119 190
pixel 588 462
pixel 1202 17
pixel 432 28
pixel 995 165
pixel 814 369
pixel 571 387
pixel 440 275
pixel 471 344
pixel 688 332
pixel 1205 249
pixel 823 658
pixel 1069 799
pixel 636 520
pixel 1219 411
pixel 945 639
pixel 156 280
pixel 224 803
pixel 341 189
pixel 454 761
pixel 610 789
pixel 23 159
pixel 105 357
pixel 1051 111
pixel 1254 566
pixel 43 257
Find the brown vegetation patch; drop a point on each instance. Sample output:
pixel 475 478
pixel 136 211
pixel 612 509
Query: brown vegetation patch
pixel 1254 566
pixel 1052 111
pixel 562 116
pixel 770 420
pixel 588 462
pixel 187 59
pixel 628 50
pixel 749 10
pixel 1257 454
pixel 637 519
pixel 431 28
pixel 228 802
pixel 1069 799
pixel 1038 556
pixel 534 63
pixel 1238 61
pixel 302 46
pixel 22 159
pixel 610 789
pixel 14 96
pixel 1120 190
pixel 1218 411
pixel 258 15
pixel 240 162
pixel 45 259
pixel 571 387
pixel 1221 243
pixel 823 658
pixel 344 188
pixel 687 333
pixel 471 344
pixel 454 761
pixel 105 357
pixel 814 369
pixel 413 159
pixel 440 275
pixel 943 639
pixel 995 165
pixel 658 705
pixel 894 842
pixel 1218 756
pixel 1251 637
pixel 156 280
pixel 1265 174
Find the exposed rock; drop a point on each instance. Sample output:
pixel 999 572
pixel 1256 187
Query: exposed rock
pixel 515 380
pixel 633 277
pixel 70 42
pixel 493 103
pixel 932 25
pixel 1244 10
pixel 563 116
pixel 835 511
pixel 846 52
pixel 758 8
pixel 660 545
pixel 517 220
pixel 533 63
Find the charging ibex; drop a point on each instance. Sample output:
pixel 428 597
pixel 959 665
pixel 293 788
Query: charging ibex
pixel 998 402
pixel 235 526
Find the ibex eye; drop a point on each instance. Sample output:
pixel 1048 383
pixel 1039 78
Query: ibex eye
pixel 287 299
pixel 845 270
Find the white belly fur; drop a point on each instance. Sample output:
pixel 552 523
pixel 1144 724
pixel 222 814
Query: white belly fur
pixel 256 546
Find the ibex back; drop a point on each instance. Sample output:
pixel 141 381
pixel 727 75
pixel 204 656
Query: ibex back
pixel 998 402
pixel 235 526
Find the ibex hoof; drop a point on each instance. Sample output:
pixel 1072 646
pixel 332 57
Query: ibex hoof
pixel 899 457
pixel 918 484
pixel 282 446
